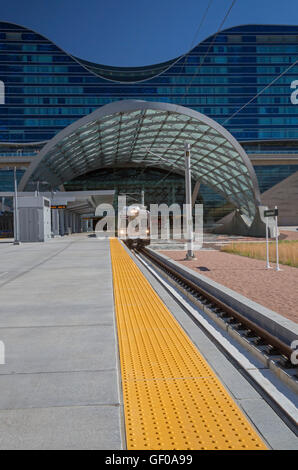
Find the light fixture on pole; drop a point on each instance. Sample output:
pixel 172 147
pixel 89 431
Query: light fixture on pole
pixel 276 239
pixel 143 197
pixel 272 213
pixel 189 222
pixel 16 210
pixel 267 245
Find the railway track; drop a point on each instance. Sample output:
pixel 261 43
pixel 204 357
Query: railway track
pixel 271 344
pixel 256 338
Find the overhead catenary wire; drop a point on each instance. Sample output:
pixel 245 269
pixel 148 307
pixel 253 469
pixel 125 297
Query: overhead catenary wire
pixel 195 36
pixel 210 46
pixel 262 91
pixel 200 66
pixel 202 61
pixel 248 102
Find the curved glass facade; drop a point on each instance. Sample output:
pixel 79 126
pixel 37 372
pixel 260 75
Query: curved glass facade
pixel 46 89
pixel 120 134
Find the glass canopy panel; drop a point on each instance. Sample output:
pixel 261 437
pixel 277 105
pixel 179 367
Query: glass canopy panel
pixel 152 111
pixel 158 118
pixel 91 150
pixel 180 117
pixel 121 136
pixel 218 140
pixel 91 144
pixel 84 132
pixel 229 145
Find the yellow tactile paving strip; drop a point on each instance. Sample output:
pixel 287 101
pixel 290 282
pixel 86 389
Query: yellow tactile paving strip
pixel 172 398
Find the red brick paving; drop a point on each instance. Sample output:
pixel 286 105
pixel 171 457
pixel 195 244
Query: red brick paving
pixel 249 277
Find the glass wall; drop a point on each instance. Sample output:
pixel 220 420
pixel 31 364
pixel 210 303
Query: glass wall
pixel 270 175
pixel 7 178
pixel 46 89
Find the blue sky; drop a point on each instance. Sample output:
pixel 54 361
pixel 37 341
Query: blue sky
pixel 138 32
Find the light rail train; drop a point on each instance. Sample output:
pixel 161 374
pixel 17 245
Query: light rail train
pixel 134 226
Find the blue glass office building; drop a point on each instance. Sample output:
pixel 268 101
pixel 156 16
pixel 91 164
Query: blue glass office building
pixel 46 89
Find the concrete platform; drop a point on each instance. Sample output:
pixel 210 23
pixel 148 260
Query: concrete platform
pixel 275 432
pixel 59 386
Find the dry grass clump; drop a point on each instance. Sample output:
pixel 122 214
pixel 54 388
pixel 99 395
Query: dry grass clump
pixel 288 251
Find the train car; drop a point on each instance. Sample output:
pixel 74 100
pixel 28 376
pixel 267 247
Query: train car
pixel 134 226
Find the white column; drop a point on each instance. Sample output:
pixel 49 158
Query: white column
pixel 61 222
pixel 188 197
pixel 55 221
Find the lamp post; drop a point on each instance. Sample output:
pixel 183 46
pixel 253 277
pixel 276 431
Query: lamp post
pixel 189 221
pixel 267 245
pixel 188 196
pixel 276 240
pixel 16 210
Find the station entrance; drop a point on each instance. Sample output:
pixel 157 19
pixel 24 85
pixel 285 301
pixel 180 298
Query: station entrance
pixel 140 136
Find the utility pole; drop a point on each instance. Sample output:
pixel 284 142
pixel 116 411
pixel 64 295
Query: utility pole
pixel 276 240
pixel 16 210
pixel 267 246
pixel 188 194
pixel 188 197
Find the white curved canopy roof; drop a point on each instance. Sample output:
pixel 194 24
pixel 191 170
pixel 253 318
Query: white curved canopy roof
pixel 120 133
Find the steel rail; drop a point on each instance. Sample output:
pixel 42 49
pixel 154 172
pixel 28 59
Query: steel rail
pixel 272 340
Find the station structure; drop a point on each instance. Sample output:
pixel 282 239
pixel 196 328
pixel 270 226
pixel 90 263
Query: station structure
pixel 107 347
pixel 242 79
pixel 101 352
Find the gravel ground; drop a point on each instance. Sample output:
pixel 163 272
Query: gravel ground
pixel 288 235
pixel 275 290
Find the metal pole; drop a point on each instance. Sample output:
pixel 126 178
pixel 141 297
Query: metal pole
pixel 189 221
pixel 267 245
pixel 16 211
pixel 143 197
pixel 276 238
